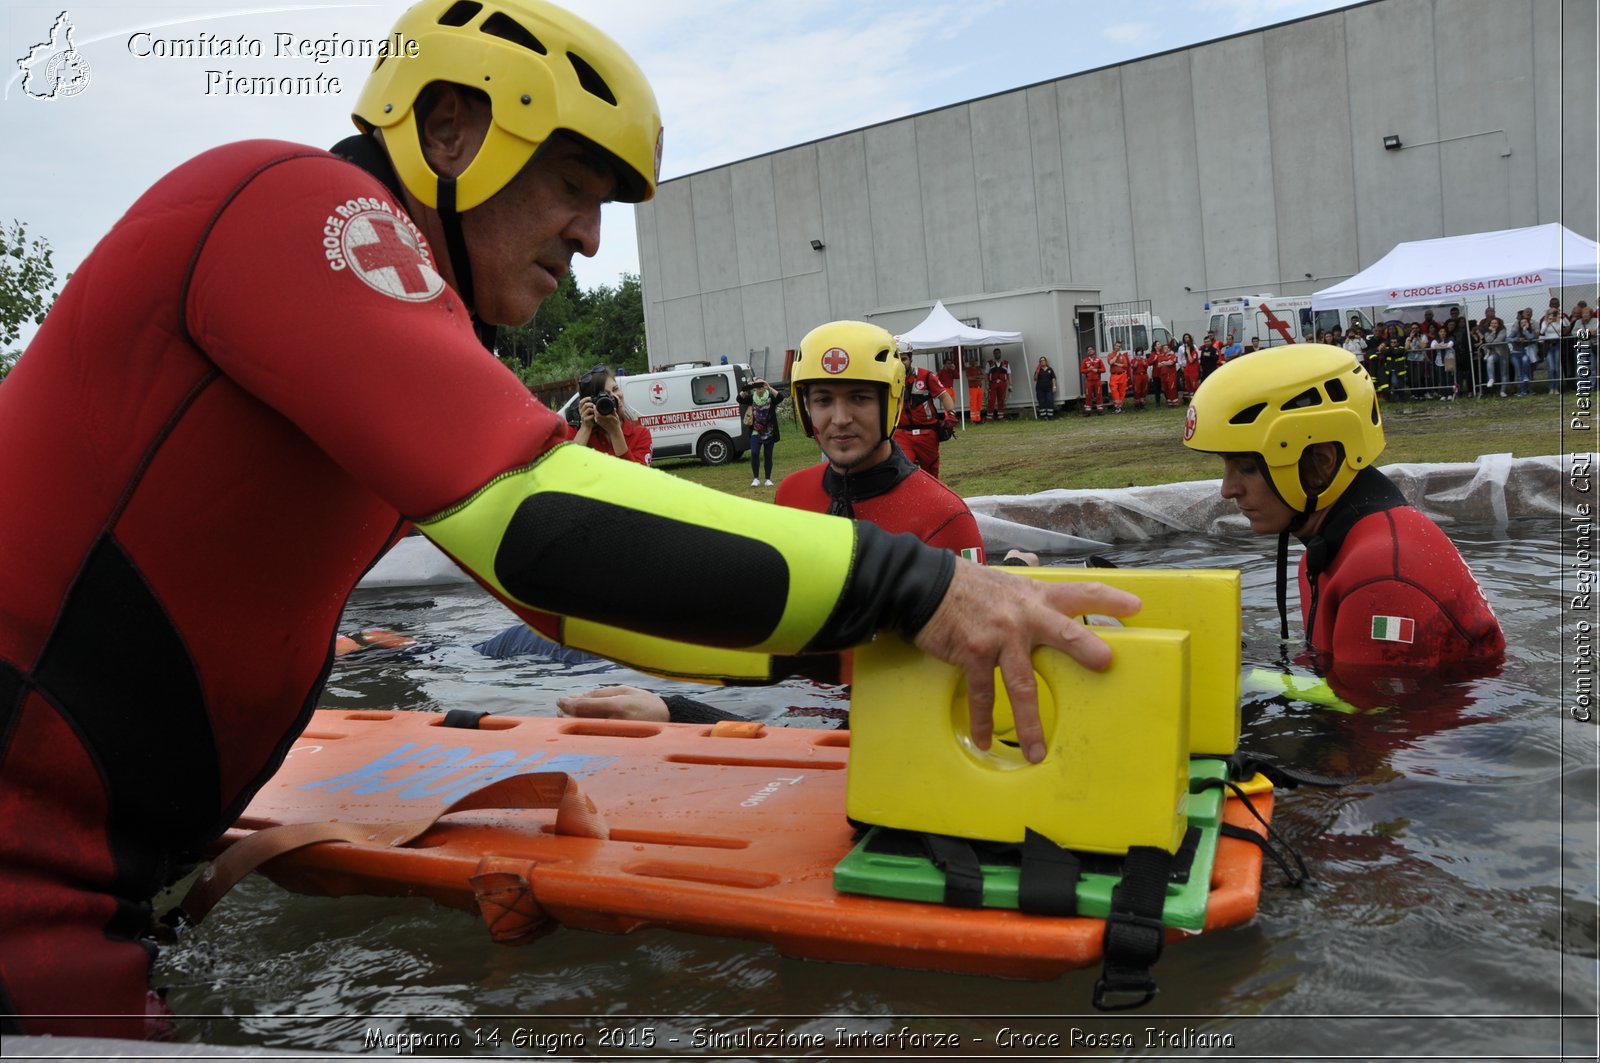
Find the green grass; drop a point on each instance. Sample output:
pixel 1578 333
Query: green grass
pixel 1138 448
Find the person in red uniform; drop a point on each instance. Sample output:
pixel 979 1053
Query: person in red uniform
pixel 848 405
pixel 1164 365
pixel 615 431
pixel 928 416
pixel 1139 367
pixel 304 334
pixel 1382 589
pixel 1188 366
pixel 1120 366
pixel 848 384
pixel 999 386
pixel 1092 367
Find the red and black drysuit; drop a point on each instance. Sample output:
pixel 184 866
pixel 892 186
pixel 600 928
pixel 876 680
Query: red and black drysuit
pixel 240 399
pixel 922 419
pixel 1383 590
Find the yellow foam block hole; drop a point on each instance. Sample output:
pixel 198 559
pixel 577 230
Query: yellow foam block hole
pixel 1116 769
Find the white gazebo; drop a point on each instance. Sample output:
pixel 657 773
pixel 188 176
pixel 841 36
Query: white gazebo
pixel 941 329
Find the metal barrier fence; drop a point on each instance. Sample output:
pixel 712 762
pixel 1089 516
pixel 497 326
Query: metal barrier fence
pixel 1487 370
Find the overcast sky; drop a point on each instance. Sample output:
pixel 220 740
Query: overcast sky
pixel 734 78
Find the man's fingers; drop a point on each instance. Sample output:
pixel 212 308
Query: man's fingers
pixel 980 704
pixel 1017 672
pixel 1076 599
pixel 1084 646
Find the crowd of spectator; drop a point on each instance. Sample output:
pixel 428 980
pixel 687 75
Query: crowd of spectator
pixel 1438 360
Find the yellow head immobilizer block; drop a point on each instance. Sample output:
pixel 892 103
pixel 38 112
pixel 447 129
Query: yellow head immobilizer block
pixel 1118 742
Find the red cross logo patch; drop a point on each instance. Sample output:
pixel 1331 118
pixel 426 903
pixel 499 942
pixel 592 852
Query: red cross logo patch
pixel 1189 421
pixel 835 360
pixel 658 393
pixel 388 256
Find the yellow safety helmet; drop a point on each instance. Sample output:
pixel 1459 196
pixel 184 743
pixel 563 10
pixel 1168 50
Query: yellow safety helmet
pixel 544 69
pixel 850 350
pixel 1276 403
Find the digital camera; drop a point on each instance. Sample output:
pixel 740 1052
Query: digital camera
pixel 605 404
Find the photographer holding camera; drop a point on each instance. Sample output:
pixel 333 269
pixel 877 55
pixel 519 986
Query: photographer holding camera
pixel 760 404
pixel 603 419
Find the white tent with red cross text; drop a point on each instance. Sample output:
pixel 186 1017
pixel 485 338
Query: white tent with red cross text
pixel 1478 265
pixel 941 329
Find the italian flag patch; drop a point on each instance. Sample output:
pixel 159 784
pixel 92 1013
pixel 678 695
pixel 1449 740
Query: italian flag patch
pixel 971 554
pixel 1393 629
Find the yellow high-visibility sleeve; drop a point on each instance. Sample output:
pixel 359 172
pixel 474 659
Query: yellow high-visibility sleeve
pixel 673 578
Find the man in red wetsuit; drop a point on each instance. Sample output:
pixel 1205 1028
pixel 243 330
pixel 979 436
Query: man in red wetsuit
pixel 848 386
pixel 298 376
pixel 1382 589
pixel 928 416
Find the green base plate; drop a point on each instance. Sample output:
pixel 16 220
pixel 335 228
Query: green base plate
pixel 915 878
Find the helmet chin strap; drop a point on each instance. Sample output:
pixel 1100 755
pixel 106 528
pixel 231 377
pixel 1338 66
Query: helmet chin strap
pixel 455 242
pixel 1295 524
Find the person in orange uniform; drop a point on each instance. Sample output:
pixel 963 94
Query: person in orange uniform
pixel 1120 367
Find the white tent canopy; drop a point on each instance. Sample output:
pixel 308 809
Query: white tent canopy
pixel 1454 268
pixel 941 329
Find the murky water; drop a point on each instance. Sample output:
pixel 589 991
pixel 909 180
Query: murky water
pixel 1453 911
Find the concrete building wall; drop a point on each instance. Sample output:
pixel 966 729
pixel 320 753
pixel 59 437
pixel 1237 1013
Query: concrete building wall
pixel 1249 164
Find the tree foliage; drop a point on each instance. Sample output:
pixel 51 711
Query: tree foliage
pixel 27 286
pixel 576 330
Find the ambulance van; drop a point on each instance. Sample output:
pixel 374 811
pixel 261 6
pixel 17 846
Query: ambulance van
pixel 691 410
pixel 1272 320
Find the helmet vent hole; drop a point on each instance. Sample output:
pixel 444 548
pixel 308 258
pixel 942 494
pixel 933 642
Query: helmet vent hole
pixel 1308 397
pixel 507 28
pixel 1248 415
pixel 460 14
pixel 591 80
pixel 1336 390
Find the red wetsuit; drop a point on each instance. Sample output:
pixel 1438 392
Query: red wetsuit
pixel 895 495
pixel 239 400
pixel 920 417
pixel 210 437
pixel 1383 590
pixel 635 435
